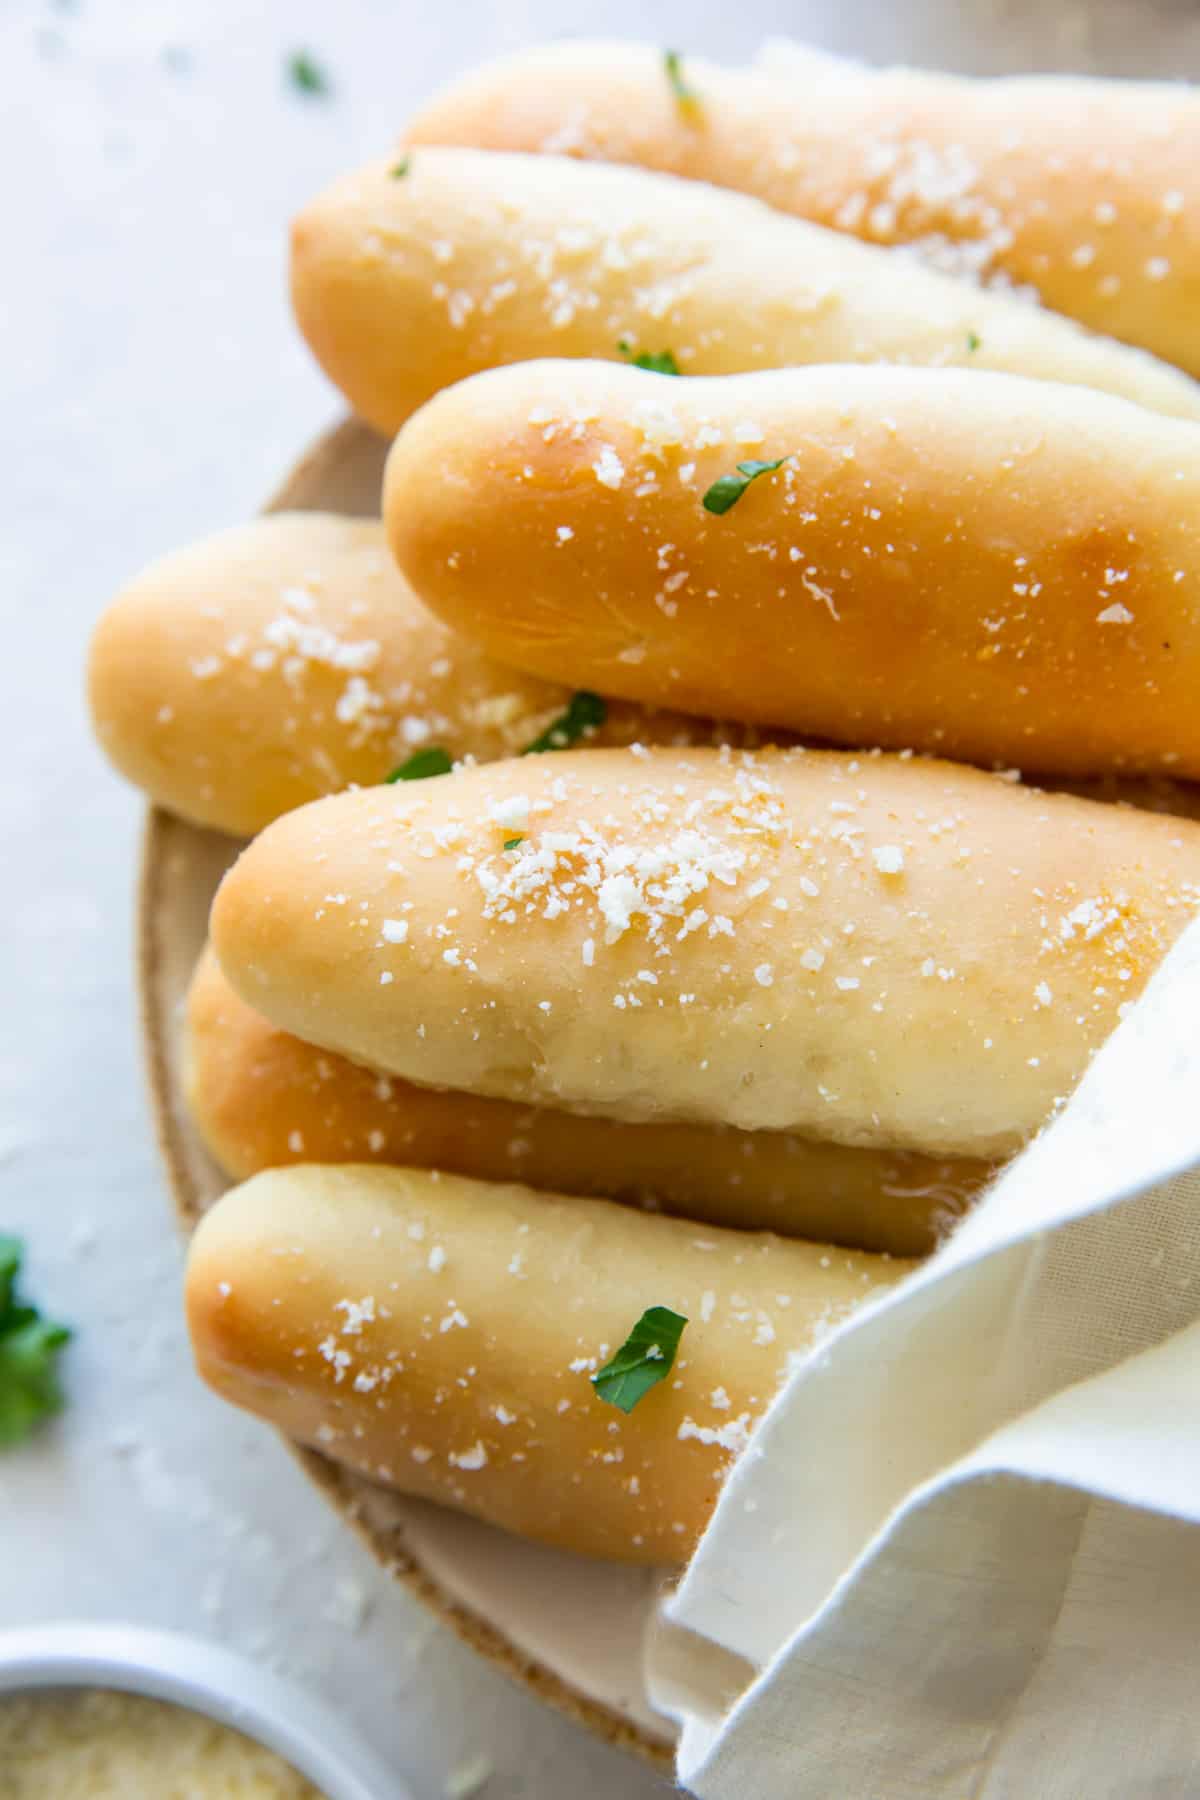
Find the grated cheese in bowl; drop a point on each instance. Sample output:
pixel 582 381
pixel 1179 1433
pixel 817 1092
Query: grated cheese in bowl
pixel 93 1744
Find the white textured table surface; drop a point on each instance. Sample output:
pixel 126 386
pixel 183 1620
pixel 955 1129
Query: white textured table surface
pixel 153 390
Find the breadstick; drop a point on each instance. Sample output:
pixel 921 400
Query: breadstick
pixel 438 1334
pixel 1086 191
pixel 263 1099
pixel 870 950
pixel 223 679
pixel 405 284
pixel 287 659
pixel 981 566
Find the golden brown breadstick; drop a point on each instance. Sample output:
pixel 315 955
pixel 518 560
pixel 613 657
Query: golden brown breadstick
pixel 1086 191
pixel 471 259
pixel 872 950
pixel 223 680
pixel 438 1334
pixel 980 566
pixel 287 659
pixel 263 1099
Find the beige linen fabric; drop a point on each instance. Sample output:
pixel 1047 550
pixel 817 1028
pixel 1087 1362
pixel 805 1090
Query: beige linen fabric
pixel 959 1557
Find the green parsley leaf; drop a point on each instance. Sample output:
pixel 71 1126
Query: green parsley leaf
pixel 306 74
pixel 421 765
pixel 728 490
pixel 659 362
pixel 585 713
pixel 687 99
pixel 973 342
pixel 511 843
pixel 400 169
pixel 10 1263
pixel 29 1346
pixel 644 1359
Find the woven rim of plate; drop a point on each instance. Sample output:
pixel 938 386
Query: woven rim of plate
pixel 337 1485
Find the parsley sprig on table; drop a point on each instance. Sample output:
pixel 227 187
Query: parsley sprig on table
pixel 306 74
pixel 29 1347
pixel 644 1359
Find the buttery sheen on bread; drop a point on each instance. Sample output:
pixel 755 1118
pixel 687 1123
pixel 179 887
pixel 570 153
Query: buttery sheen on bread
pixel 469 259
pixel 261 1098
pixel 287 659
pixel 1086 191
pixel 438 1335
pixel 977 565
pixel 871 950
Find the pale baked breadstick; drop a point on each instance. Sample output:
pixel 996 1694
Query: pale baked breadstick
pixel 286 659
pixel 262 1099
pixel 1087 191
pixel 995 569
pixel 403 285
pixel 438 1334
pixel 870 950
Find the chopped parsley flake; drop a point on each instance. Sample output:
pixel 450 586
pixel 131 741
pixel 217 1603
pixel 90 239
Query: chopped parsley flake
pixel 400 169
pixel 511 843
pixel 728 490
pixel 585 713
pixel 973 341
pixel 686 97
pixel 29 1347
pixel 422 764
pixel 644 1359
pixel 306 74
pixel 659 362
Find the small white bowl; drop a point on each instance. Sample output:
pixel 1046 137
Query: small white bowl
pixel 201 1678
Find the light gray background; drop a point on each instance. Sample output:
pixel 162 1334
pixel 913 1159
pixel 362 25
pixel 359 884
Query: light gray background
pixel 154 389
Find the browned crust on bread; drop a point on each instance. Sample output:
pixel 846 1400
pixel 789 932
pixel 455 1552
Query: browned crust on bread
pixel 478 258
pixel 262 1099
pixel 870 950
pixel 1087 191
pixel 437 1334
pixel 998 570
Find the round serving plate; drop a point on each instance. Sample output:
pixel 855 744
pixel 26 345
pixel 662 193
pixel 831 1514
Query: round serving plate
pixel 569 1629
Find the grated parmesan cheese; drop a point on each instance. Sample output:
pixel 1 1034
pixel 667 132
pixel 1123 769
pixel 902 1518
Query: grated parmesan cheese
pixel 733 1436
pixel 96 1745
pixel 474 1458
pixel 608 467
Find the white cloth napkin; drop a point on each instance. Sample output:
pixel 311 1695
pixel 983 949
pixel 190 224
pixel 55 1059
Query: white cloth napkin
pixel 959 1556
